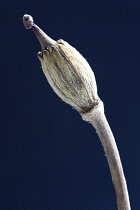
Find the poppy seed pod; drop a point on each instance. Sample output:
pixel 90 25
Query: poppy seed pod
pixel 66 70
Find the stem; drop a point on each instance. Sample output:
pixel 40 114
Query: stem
pixel 97 118
pixel 43 38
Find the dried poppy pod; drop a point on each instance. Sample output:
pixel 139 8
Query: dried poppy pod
pixel 66 70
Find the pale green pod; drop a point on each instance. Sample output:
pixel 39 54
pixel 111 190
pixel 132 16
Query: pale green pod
pixel 67 71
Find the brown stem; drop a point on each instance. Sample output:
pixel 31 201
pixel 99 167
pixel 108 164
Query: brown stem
pixel 97 118
pixel 43 38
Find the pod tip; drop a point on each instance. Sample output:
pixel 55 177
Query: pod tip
pixel 28 21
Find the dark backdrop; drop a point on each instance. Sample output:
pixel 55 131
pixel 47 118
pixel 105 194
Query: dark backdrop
pixel 50 158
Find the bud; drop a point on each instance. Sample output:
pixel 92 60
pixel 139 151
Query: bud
pixel 66 70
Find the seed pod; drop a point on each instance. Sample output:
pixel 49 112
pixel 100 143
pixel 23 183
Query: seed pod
pixel 66 70
pixel 72 79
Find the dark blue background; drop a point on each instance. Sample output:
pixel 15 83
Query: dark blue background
pixel 50 158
